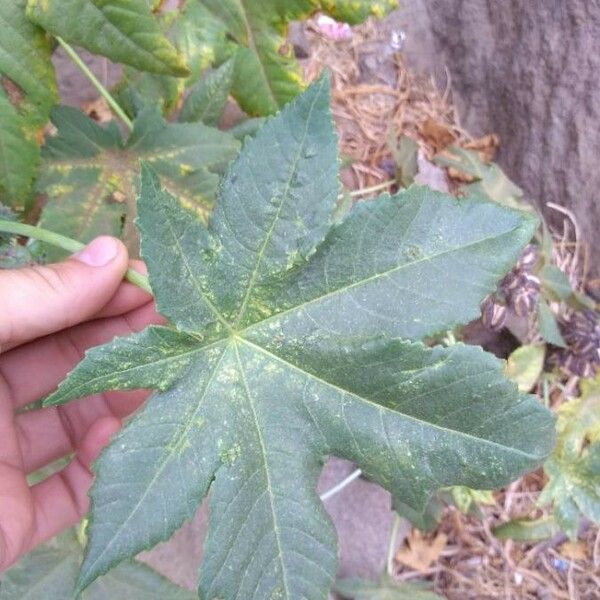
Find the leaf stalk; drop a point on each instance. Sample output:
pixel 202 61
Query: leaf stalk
pixel 95 82
pixel 66 243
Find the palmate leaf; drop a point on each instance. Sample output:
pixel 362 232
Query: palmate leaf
pixel 88 171
pixel 125 31
pixel 27 93
pixel 50 572
pixel 266 73
pixel 285 348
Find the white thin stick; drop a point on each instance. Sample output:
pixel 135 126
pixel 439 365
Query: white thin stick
pixel 341 485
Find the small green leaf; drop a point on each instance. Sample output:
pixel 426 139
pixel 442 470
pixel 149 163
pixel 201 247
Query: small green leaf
pixel 27 93
pixel 89 172
pixel 384 589
pixel 405 151
pixel 208 97
pixel 490 180
pixel 284 348
pixel 525 365
pixel 574 468
pixel 548 326
pixel 125 31
pixel 555 282
pixel 524 530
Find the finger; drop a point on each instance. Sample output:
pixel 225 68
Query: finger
pixel 127 297
pixel 16 508
pixel 54 356
pixel 61 500
pixel 51 433
pixel 39 300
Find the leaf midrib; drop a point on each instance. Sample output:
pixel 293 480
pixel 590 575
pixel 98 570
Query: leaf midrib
pixel 374 277
pixel 284 200
pixel 163 463
pixel 263 450
pixel 384 408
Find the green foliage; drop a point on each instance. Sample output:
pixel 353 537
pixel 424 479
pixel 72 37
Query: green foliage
pixel 208 97
pixel 489 179
pixel 89 171
pixel 525 365
pixel 573 470
pixel 524 530
pixel 50 572
pixel 267 75
pixel 27 93
pixel 125 31
pixel 384 589
pixel 285 347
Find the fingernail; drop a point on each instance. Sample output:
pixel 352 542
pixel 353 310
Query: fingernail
pixel 98 252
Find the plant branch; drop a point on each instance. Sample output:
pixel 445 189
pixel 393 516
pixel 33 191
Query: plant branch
pixel 373 188
pixel 68 244
pixel 95 82
pixel 392 544
pixel 341 485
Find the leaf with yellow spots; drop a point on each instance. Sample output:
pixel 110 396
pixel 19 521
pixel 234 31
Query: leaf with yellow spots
pixel 573 470
pixel 266 74
pixel 292 339
pixel 27 93
pixel 89 172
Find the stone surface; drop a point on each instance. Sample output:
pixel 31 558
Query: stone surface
pixel 527 70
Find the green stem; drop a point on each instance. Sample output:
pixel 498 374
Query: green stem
pixel 373 188
pixel 95 82
pixel 68 244
pixel 392 544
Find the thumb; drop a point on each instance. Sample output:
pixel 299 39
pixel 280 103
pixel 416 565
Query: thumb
pixel 39 300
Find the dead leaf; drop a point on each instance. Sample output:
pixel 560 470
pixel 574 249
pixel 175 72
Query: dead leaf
pixel 485 146
pixel 436 135
pixel 420 552
pixel 573 550
pixel 98 110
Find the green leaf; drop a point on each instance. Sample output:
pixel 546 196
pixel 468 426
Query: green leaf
pixel 524 530
pixel 27 93
pixel 89 172
pixel 207 99
pixel 490 180
pixel 404 151
pixel 384 589
pixel 555 282
pixel 50 572
pixel 548 326
pixel 125 31
pixel 267 74
pixel 525 365
pixel 283 349
pixel 573 470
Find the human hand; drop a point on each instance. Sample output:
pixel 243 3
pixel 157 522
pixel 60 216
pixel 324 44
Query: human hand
pixel 48 317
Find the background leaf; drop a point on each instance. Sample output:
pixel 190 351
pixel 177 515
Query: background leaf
pixel 50 572
pixel 267 74
pixel 573 470
pixel 384 589
pixel 124 31
pixel 89 173
pixel 27 93
pixel 208 97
